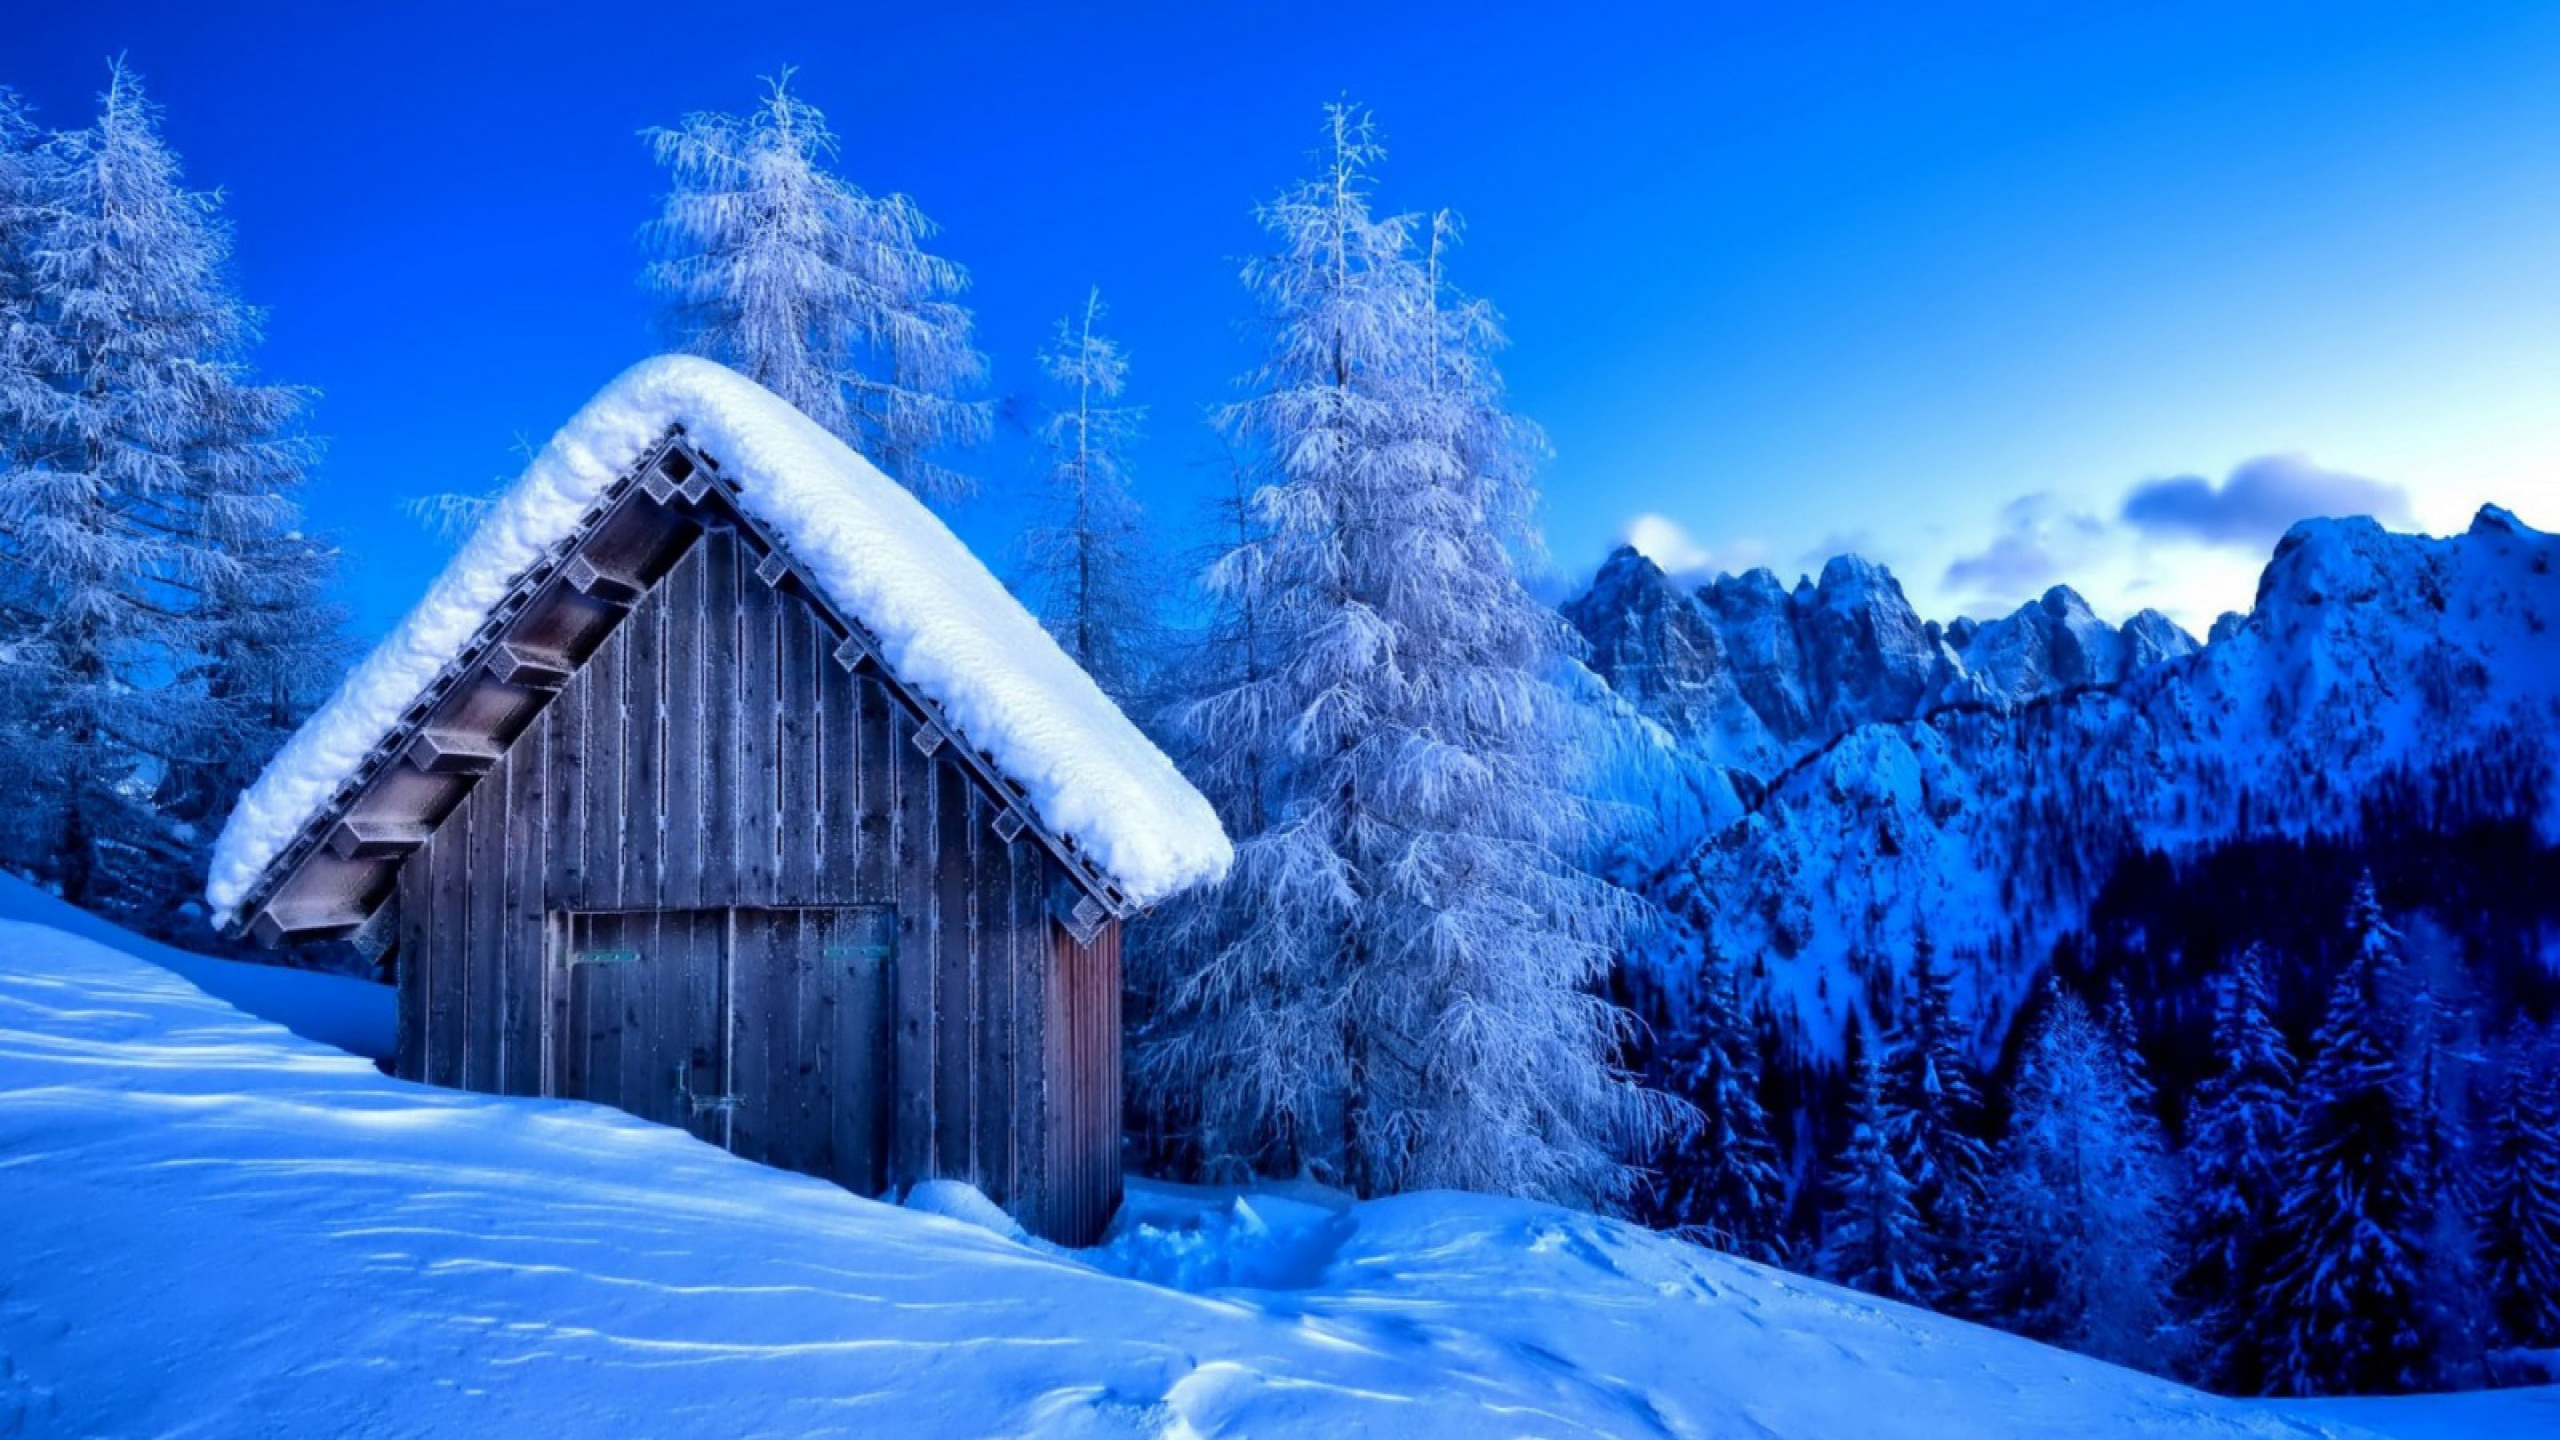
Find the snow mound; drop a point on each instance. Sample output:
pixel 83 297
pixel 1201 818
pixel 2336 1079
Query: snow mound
pixel 216 1227
pixel 946 626
pixel 339 1011
pixel 959 1200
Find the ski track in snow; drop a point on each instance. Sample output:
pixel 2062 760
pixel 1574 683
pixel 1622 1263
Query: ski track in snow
pixel 216 1227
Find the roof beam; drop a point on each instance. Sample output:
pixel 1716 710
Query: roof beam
pixel 533 668
pixel 596 580
pixel 453 752
pixel 357 838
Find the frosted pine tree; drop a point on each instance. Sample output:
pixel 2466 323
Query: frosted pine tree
pixel 1935 1111
pixel 117 357
pixel 2124 1042
pixel 2520 1220
pixel 1086 558
pixel 1873 1239
pixel 2344 1311
pixel 22 197
pixel 2235 1174
pixel 1721 1181
pixel 1401 992
pixel 770 263
pixel 267 641
pixel 2079 1197
pixel 171 623
pixel 20 202
pixel 1172 1021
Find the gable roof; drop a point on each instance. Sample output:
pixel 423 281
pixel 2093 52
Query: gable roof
pixel 912 599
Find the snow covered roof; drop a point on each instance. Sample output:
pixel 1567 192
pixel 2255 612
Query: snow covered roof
pixel 937 621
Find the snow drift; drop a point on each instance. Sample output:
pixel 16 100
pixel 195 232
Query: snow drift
pixel 215 1226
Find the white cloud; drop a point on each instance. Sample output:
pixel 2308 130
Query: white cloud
pixel 1667 543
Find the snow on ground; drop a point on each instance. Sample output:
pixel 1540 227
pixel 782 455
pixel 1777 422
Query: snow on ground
pixel 337 1010
pixel 945 626
pixel 215 1227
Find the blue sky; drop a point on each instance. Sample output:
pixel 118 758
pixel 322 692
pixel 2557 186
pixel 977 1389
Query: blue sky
pixel 1950 284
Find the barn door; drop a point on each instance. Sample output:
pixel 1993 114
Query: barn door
pixel 809 1024
pixel 643 1017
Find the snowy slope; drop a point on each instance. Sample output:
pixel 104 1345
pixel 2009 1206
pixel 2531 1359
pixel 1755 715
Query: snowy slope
pixel 215 1228
pixel 336 1010
pixel 945 625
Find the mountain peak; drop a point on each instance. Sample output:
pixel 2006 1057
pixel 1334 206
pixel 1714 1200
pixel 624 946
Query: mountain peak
pixel 2498 520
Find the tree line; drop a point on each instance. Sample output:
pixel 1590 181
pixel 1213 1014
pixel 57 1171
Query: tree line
pixel 2349 1218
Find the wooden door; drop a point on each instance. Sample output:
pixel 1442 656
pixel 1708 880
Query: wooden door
pixel 643 1025
pixel 809 1015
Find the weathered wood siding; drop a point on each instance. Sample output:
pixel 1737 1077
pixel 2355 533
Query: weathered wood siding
pixel 713 768
pixel 1083 1123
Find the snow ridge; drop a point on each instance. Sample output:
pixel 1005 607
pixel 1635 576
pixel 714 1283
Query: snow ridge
pixel 945 625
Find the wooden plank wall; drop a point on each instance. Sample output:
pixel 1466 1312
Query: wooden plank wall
pixel 713 754
pixel 1083 1123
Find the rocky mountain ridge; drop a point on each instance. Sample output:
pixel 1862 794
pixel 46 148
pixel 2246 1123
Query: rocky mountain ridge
pixel 1751 674
pixel 1887 774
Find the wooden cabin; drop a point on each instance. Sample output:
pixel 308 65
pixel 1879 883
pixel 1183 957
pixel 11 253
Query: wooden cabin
pixel 670 829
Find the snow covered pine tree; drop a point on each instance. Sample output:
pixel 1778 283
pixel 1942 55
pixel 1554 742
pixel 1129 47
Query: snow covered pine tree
pixel 1932 1109
pixel 160 605
pixel 1720 1178
pixel 2079 1197
pixel 1394 988
pixel 2520 1224
pixel 2235 1144
pixel 2342 1313
pixel 1873 1239
pixel 1085 556
pixel 776 267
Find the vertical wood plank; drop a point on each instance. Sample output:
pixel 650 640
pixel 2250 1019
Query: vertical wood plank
pixel 954 987
pixel 910 807
pixel 824 979
pixel 1059 1133
pixel 874 742
pixel 839 777
pixel 761 1079
pixel 644 731
pixel 680 859
pixel 484 934
pixel 564 731
pixel 417 909
pixel 798 751
pixel 600 810
pixel 720 688
pixel 577 1009
pixel 702 1041
pixel 646 1085
pixel 447 854
pixel 1033 1188
pixel 758 721
pixel 991 962
pixel 599 989
pixel 1109 1097
pixel 865 1110
pixel 526 1022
